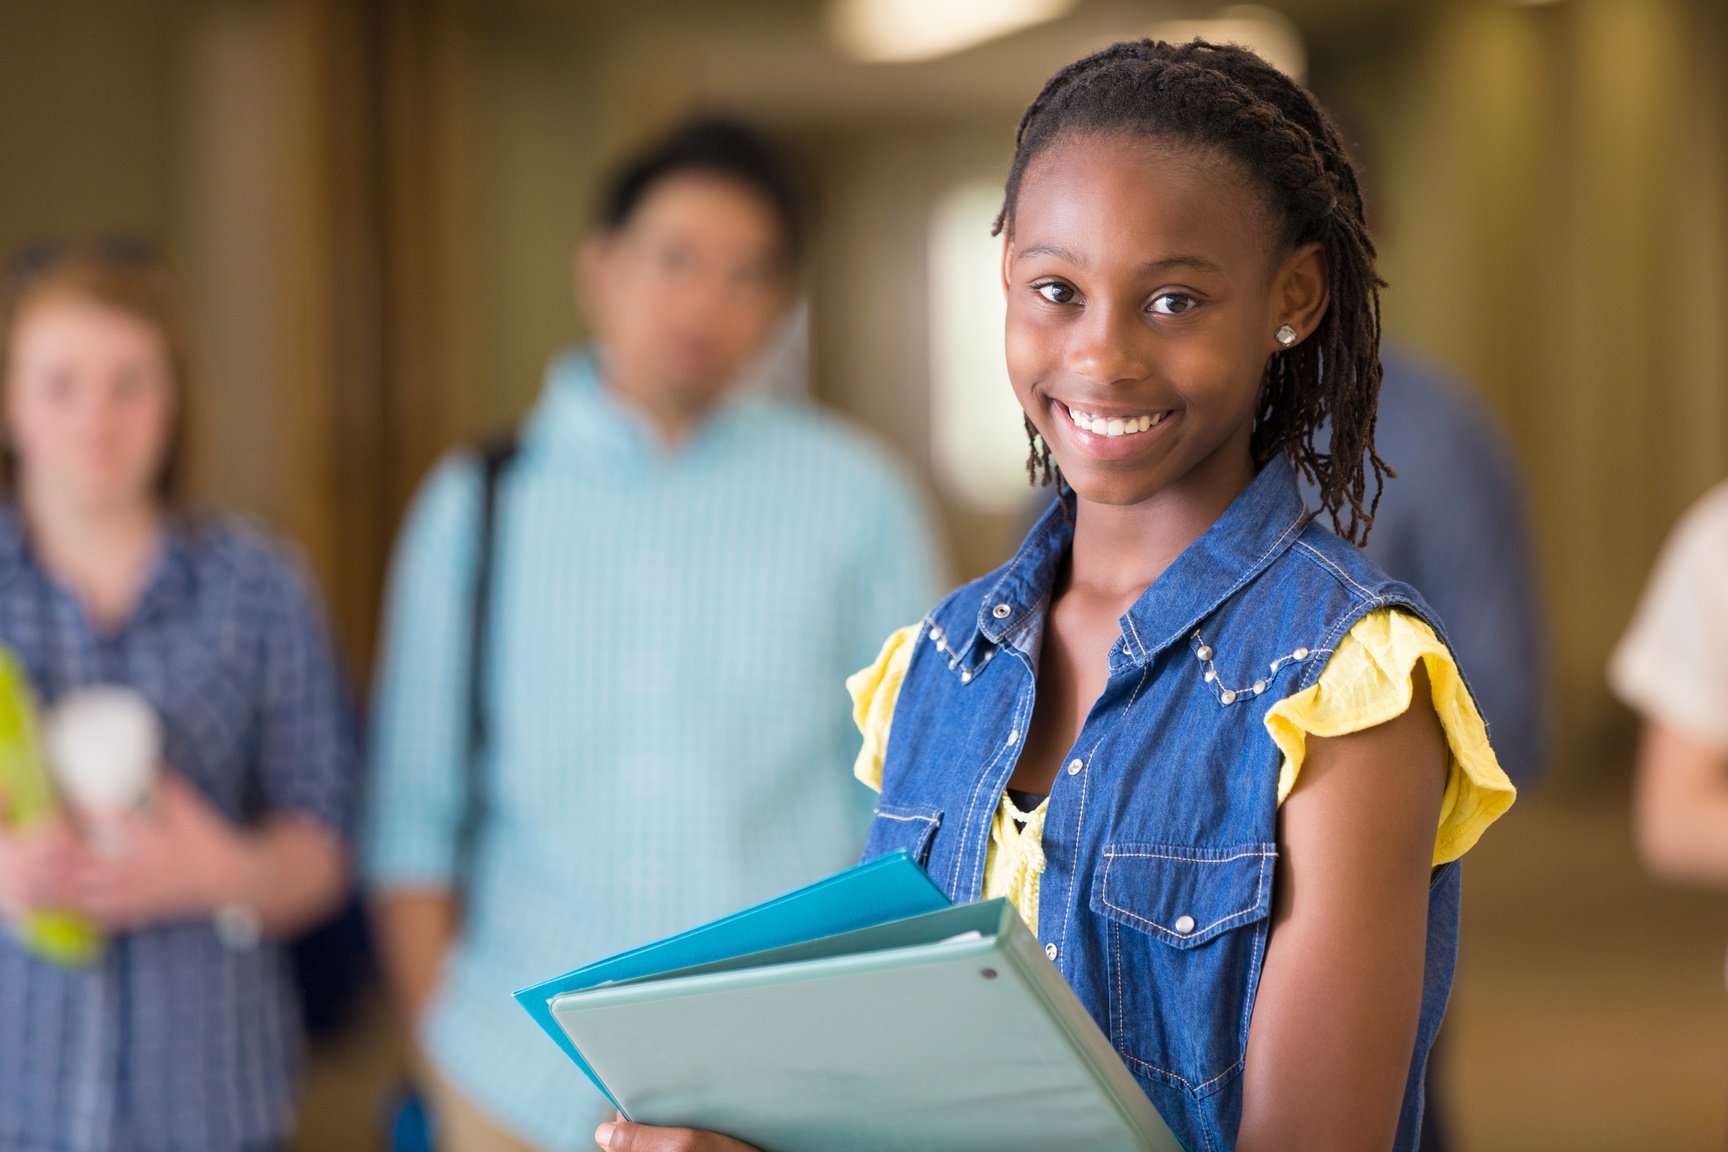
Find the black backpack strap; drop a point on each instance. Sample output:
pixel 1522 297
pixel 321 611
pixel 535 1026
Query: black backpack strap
pixel 494 455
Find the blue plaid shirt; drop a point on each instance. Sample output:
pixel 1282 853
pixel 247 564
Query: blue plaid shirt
pixel 670 735
pixel 173 1040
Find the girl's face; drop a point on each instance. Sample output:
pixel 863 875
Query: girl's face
pixel 1145 285
pixel 89 403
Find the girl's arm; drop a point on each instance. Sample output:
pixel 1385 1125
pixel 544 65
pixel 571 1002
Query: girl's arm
pixel 1681 802
pixel 1334 1025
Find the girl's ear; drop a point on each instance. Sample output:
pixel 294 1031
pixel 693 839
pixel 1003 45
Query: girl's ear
pixel 1299 293
pixel 1007 261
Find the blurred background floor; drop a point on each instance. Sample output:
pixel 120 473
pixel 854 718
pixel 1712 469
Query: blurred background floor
pixel 1588 1016
pixel 1589 1012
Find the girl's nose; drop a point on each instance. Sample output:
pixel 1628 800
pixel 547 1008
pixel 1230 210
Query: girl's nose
pixel 1107 347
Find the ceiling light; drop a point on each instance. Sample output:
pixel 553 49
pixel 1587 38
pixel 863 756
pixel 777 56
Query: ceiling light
pixel 881 31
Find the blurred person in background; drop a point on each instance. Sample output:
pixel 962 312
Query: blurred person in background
pixel 1672 668
pixel 183 1034
pixel 679 576
pixel 1453 524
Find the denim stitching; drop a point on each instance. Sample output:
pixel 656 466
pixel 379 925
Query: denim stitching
pixel 1074 872
pixel 1259 888
pixel 1192 1088
pixel 1313 671
pixel 1138 643
pixel 1253 569
pixel 1121 1013
pixel 972 805
pixel 897 816
pixel 1342 575
pixel 1248 573
pixel 1080 823
pixel 1257 967
pixel 1113 853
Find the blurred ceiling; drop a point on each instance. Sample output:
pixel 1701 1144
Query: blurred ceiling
pixel 775 59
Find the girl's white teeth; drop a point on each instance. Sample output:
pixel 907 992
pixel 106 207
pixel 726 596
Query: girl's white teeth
pixel 1115 425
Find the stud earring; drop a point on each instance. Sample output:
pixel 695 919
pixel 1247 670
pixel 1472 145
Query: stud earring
pixel 1285 335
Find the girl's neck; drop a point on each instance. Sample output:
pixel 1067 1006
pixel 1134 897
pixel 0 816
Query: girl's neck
pixel 103 554
pixel 1119 550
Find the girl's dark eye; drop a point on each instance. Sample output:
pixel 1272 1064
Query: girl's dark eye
pixel 1056 293
pixel 1173 303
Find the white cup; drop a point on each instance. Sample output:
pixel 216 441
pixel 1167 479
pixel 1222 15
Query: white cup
pixel 105 747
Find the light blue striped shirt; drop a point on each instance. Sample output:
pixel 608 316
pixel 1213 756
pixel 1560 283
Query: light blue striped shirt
pixel 670 733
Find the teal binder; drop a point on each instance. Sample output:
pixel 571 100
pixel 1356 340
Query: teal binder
pixel 936 1031
pixel 887 888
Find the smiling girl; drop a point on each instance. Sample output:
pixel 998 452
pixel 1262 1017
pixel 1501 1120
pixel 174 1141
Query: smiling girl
pixel 1224 767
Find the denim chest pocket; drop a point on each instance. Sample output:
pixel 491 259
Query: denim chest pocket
pixel 1184 930
pixel 905 828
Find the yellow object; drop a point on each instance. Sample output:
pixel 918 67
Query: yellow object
pixel 1366 682
pixel 29 796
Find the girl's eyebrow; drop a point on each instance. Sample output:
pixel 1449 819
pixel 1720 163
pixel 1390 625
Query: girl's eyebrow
pixel 1166 264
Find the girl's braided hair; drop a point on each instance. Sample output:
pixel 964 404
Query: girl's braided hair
pixel 1226 98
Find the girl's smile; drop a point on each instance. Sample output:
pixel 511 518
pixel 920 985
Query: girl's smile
pixel 1106 431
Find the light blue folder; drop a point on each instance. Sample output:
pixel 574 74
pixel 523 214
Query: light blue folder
pixel 917 1028
pixel 888 888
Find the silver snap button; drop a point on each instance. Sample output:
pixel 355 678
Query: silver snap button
pixel 1014 736
pixel 935 632
pixel 1074 767
pixel 965 677
pixel 1228 696
pixel 1001 611
pixel 1184 925
pixel 1050 951
pixel 1300 653
pixel 1259 687
pixel 1204 652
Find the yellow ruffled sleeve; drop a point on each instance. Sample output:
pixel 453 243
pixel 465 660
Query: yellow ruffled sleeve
pixel 1368 682
pixel 874 691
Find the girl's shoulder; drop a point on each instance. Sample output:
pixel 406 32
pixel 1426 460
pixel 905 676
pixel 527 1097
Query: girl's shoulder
pixel 1327 557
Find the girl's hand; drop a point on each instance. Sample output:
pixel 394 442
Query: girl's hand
pixel 35 865
pixel 623 1136
pixel 181 859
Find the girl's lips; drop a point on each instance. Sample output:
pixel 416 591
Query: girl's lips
pixel 1108 435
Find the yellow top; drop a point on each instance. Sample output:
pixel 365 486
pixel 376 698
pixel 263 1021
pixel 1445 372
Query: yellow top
pixel 1367 682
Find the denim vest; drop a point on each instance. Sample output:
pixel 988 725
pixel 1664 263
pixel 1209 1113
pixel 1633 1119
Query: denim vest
pixel 1161 834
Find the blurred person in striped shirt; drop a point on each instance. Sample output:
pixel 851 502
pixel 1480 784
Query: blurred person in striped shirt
pixel 680 573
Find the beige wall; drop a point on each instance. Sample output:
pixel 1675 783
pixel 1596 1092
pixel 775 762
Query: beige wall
pixel 85 139
pixel 1555 184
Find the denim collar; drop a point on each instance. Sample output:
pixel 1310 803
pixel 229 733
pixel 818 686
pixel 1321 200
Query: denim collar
pixel 1259 526
pixel 577 416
